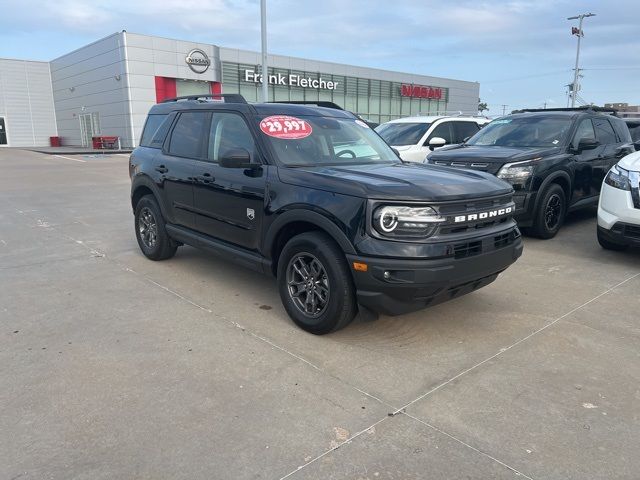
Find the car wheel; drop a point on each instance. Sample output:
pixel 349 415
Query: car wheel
pixel 315 283
pixel 551 212
pixel 151 234
pixel 609 245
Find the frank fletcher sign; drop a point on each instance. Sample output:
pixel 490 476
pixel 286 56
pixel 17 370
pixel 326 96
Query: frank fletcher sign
pixel 291 80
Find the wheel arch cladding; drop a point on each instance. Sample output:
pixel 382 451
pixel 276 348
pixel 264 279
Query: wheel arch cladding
pixel 558 178
pixel 138 193
pixel 295 223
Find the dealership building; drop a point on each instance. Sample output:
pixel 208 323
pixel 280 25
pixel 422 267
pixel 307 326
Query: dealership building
pixel 107 87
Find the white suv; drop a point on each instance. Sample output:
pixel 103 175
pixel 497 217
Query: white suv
pixel 619 207
pixel 415 137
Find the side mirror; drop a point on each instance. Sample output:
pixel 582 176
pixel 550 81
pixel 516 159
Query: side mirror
pixel 587 144
pixel 436 142
pixel 236 158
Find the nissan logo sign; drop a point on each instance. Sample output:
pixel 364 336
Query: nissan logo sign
pixel 197 60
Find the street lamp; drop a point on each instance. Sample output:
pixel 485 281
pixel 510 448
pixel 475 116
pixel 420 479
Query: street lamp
pixel 575 86
pixel 265 71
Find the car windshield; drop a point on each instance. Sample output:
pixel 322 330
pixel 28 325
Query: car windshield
pixel 305 140
pixel 534 131
pixel 399 134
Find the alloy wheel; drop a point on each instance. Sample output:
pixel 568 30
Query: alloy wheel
pixel 148 228
pixel 308 284
pixel 553 211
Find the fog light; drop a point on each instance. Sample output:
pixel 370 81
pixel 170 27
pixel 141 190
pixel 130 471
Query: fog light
pixel 387 275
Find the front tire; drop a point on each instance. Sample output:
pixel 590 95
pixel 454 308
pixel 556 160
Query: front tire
pixel 151 234
pixel 551 212
pixel 315 284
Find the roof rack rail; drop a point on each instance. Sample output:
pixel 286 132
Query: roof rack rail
pixel 592 108
pixel 227 97
pixel 317 103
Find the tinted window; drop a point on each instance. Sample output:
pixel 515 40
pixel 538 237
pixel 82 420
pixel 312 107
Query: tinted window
pixel 623 132
pixel 229 132
pixel 634 130
pixel 186 139
pixel 462 130
pixel 604 131
pixel 524 131
pixel 443 130
pixel 585 130
pixel 155 129
pixel 399 134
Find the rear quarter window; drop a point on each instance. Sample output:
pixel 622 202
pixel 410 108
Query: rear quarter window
pixel 622 130
pixel 155 129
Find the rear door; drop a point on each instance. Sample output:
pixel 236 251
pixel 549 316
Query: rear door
pixel 463 130
pixel 609 143
pixel 229 202
pixel 175 164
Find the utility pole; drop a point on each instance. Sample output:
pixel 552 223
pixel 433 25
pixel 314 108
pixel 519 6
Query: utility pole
pixel 575 86
pixel 265 70
pixel 504 109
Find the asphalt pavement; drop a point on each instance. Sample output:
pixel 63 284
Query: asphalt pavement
pixel 116 367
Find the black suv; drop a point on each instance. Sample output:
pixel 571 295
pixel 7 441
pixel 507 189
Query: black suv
pixel 556 160
pixel 316 198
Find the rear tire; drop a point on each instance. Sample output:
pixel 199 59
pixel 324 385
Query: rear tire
pixel 609 245
pixel 152 236
pixel 551 212
pixel 315 284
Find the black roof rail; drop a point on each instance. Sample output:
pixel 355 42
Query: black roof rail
pixel 317 103
pixel 227 97
pixel 586 108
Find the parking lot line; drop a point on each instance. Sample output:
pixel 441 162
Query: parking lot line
pixel 69 158
pixel 524 339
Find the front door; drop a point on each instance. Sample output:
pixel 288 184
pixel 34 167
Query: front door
pixel 229 202
pixel 585 162
pixel 3 132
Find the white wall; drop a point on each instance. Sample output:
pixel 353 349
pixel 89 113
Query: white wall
pixel 26 102
pixel 92 79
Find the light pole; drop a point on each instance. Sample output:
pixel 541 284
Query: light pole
pixel 265 71
pixel 574 86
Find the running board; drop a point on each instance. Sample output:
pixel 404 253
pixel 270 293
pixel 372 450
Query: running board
pixel 240 256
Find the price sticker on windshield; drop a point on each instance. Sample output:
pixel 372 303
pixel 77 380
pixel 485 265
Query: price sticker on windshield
pixel 285 127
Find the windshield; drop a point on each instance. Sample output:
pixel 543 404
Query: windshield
pixel 302 141
pixel 535 131
pixel 399 134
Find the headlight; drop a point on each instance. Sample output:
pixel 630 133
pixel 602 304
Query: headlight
pixel 516 174
pixel 618 178
pixel 397 221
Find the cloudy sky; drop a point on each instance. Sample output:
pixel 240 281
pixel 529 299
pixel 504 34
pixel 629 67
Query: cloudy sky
pixel 521 51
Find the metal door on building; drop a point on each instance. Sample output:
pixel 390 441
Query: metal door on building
pixel 89 127
pixel 3 132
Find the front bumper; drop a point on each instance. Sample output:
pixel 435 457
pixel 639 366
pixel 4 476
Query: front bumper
pixel 525 202
pixel 398 286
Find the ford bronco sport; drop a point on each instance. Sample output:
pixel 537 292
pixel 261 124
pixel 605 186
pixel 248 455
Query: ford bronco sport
pixel 316 198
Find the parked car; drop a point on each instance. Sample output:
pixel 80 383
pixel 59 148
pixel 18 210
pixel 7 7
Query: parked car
pixel 314 197
pixel 555 160
pixel 633 123
pixel 619 206
pixel 415 137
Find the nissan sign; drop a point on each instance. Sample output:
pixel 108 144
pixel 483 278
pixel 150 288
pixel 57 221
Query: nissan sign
pixel 197 60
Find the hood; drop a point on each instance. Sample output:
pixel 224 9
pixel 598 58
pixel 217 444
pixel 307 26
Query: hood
pixel 631 162
pixel 489 158
pixel 401 181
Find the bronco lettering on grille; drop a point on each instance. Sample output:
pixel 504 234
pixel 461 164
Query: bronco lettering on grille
pixel 481 216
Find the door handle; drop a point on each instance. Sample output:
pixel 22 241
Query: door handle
pixel 162 169
pixel 205 178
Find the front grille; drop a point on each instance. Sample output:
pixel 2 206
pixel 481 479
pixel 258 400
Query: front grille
pixel 470 207
pixel 632 231
pixel 483 166
pixel 469 249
